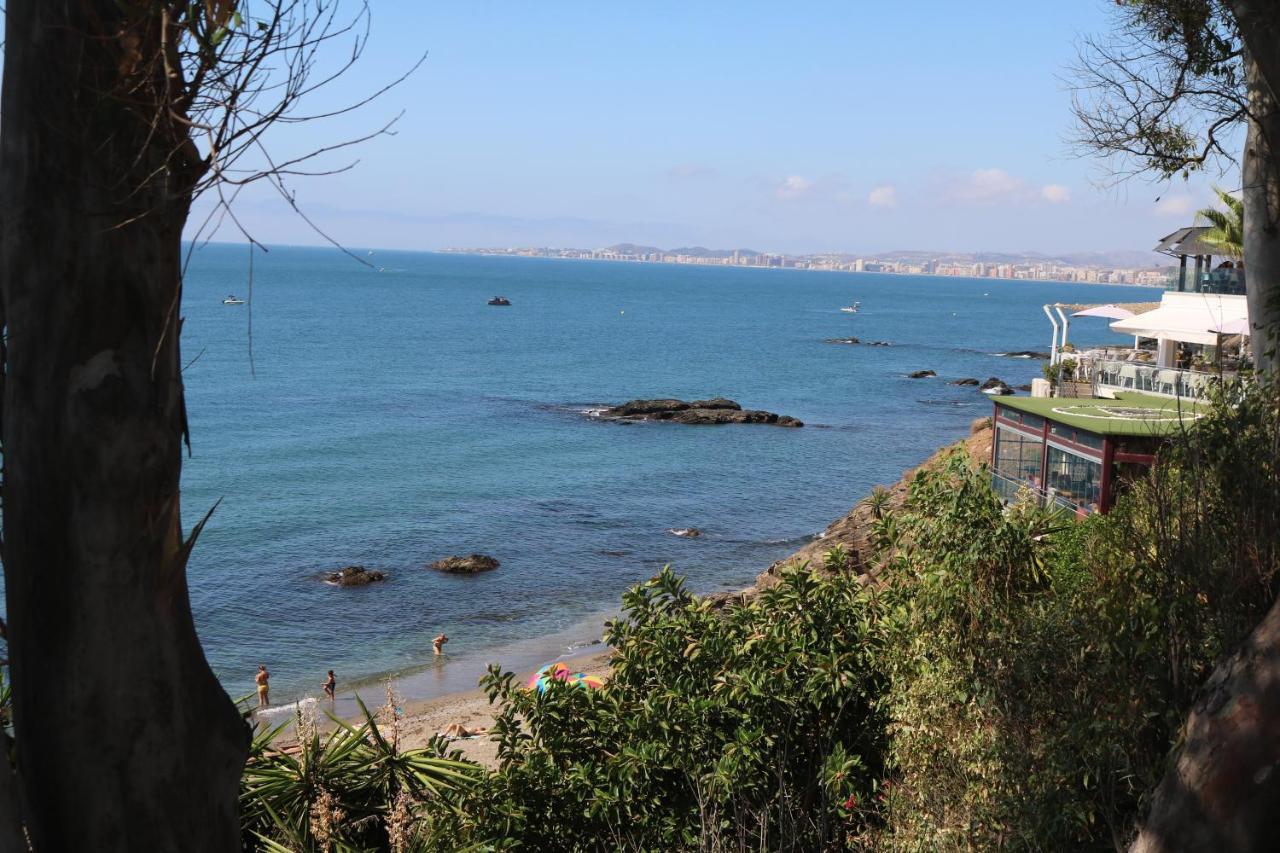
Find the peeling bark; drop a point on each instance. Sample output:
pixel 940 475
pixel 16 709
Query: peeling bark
pixel 1222 792
pixel 125 739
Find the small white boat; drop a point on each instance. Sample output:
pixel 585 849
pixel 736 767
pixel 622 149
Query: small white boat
pixel 852 309
pixel 233 300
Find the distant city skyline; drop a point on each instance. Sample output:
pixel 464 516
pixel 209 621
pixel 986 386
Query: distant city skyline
pixel 1090 268
pixel 824 126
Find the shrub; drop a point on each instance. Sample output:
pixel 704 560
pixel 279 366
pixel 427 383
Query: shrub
pixel 1039 670
pixel 751 727
pixel 352 789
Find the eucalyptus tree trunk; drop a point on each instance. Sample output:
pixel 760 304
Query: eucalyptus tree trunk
pixel 1260 177
pixel 1222 791
pixel 125 740
pixel 1259 24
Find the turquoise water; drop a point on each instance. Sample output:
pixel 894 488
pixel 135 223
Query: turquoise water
pixel 392 418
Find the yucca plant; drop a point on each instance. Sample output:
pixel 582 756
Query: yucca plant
pixel 352 789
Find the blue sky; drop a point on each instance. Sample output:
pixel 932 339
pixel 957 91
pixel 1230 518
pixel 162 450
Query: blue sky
pixel 804 126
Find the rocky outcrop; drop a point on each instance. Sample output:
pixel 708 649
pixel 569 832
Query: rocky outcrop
pixel 354 576
pixel 921 374
pixel 996 386
pixel 685 532
pixel 715 411
pixel 969 382
pixel 468 565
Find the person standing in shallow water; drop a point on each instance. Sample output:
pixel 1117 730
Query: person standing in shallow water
pixel 438 643
pixel 262 678
pixel 330 685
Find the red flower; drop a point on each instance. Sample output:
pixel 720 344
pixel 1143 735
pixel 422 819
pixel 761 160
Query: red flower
pixel 851 803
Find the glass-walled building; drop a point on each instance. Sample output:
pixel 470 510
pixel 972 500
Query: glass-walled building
pixel 1077 453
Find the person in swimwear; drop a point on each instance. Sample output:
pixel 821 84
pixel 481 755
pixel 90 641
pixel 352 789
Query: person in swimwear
pixel 438 643
pixel 457 730
pixel 330 685
pixel 262 678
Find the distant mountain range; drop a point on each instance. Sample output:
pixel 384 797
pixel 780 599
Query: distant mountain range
pixel 1121 259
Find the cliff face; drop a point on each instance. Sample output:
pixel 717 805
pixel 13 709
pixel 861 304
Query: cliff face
pixel 853 531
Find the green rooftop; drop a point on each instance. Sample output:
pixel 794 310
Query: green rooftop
pixel 1130 413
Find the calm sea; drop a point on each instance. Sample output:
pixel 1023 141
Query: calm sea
pixel 390 418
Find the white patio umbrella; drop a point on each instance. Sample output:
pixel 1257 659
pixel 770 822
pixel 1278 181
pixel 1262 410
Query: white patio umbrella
pixel 1238 326
pixel 1111 312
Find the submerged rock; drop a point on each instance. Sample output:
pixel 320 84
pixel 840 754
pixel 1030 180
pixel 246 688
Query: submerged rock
pixel 717 410
pixel 855 341
pixel 967 382
pixel 921 374
pixel 1026 353
pixel 468 565
pixel 686 532
pixel 354 576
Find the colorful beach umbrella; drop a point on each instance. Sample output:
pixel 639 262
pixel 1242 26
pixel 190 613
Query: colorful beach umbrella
pixel 560 671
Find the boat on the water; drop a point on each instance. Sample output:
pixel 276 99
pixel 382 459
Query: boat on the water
pixel 852 309
pixel 499 300
pixel 233 300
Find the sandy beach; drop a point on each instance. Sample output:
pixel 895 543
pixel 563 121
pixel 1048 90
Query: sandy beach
pixel 422 718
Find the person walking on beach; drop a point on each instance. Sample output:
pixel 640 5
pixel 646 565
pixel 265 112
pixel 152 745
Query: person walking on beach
pixel 262 678
pixel 438 643
pixel 330 684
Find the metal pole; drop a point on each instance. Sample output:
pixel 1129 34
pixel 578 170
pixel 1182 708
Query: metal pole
pixel 1053 348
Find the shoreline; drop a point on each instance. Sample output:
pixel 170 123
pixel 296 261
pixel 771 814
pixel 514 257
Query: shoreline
pixel 423 716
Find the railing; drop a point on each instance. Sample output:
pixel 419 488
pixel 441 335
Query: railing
pixel 1227 281
pixel 1149 378
pixel 1010 490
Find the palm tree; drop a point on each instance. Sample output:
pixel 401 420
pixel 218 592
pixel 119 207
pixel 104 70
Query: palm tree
pixel 1226 227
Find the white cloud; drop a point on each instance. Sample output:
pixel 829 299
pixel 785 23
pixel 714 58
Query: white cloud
pixel 991 187
pixel 1175 205
pixel 794 187
pixel 1055 193
pixel 986 186
pixel 883 196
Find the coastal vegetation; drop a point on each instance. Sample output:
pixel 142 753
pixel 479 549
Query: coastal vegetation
pixel 993 680
pixel 1010 680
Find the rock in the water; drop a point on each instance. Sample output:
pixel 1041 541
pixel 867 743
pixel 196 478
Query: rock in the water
pixel 354 576
pixel 468 565
pixel 715 403
pixel 1026 353
pixel 968 381
pixel 921 374
pixel 996 386
pixel 642 408
pixel 854 341
pixel 717 410
pixel 1026 387
pixel 686 532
